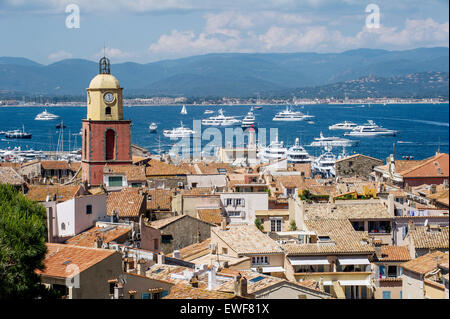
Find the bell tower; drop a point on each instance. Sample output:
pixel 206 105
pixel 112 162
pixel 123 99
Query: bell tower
pixel 106 135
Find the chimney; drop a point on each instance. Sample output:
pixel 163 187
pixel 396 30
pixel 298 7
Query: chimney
pixel 98 242
pixel 433 189
pixel 240 286
pixel 212 282
pixel 297 212
pixel 161 259
pixel 378 251
pixel 223 224
pixel 118 291
pixel 176 254
pixel 411 225
pixel 391 205
pixel 194 281
pixel 140 267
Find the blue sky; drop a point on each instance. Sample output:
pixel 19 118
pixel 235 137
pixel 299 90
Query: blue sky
pixel 149 30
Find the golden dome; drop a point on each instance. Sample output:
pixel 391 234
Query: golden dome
pixel 104 81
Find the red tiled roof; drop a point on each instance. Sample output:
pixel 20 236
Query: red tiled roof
pixel 437 166
pixel 59 256
pixel 394 253
pixel 426 263
pixel 88 237
pixel 128 202
pixel 39 193
pixel 55 165
pixel 132 172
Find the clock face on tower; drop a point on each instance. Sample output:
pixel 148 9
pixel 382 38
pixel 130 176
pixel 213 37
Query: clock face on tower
pixel 108 97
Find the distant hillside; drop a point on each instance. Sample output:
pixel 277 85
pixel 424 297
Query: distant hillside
pixel 416 85
pixel 233 74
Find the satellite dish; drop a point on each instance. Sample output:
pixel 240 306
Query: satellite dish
pixel 426 223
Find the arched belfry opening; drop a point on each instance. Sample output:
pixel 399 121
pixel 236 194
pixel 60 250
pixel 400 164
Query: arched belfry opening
pixel 104 66
pixel 110 145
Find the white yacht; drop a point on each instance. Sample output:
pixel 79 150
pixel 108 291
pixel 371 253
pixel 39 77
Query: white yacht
pixel 371 129
pixel 288 115
pixel 183 110
pixel 46 116
pixel 323 141
pixel 343 126
pixel 178 132
pixel 275 151
pixel 18 134
pixel 249 119
pixel 297 154
pixel 152 127
pixel 220 120
pixel 324 164
pixel 209 112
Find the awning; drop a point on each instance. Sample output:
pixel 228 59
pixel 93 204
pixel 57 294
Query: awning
pixel 270 269
pixel 353 260
pixel 355 282
pixel 296 261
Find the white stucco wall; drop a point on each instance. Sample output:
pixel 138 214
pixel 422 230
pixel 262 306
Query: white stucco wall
pixel 252 202
pixel 73 214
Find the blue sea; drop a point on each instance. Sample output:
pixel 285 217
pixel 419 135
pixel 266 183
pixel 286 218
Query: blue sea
pixel 423 128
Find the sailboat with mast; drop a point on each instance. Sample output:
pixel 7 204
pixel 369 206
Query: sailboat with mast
pixel 183 110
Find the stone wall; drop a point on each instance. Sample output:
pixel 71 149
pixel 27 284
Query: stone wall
pixel 360 166
pixel 185 231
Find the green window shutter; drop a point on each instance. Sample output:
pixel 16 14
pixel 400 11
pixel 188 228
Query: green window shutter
pixel 115 181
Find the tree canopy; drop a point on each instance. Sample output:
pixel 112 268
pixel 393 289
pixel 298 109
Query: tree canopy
pixel 22 245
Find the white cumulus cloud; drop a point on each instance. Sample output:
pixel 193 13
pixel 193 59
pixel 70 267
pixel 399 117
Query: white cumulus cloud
pixel 60 55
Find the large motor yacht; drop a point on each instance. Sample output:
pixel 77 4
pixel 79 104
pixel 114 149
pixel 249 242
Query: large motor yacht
pixel 220 120
pixel 323 141
pixel 371 129
pixel 324 164
pixel 275 151
pixel 178 132
pixel 46 116
pixel 289 115
pixel 297 154
pixel 343 126
pixel 249 119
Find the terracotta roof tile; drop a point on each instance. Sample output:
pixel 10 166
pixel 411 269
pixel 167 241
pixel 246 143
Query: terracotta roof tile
pixel 213 216
pixel 158 168
pixel 394 253
pixel 195 250
pixel 108 234
pixel 437 166
pixel 59 256
pixel 165 221
pixel 160 199
pixel 184 291
pixel 129 202
pixel 426 263
pixel 9 176
pixel 39 193
pixel 362 209
pixel 132 172
pixel 247 239
pixel 55 165
pixel 424 237
pixel 343 239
